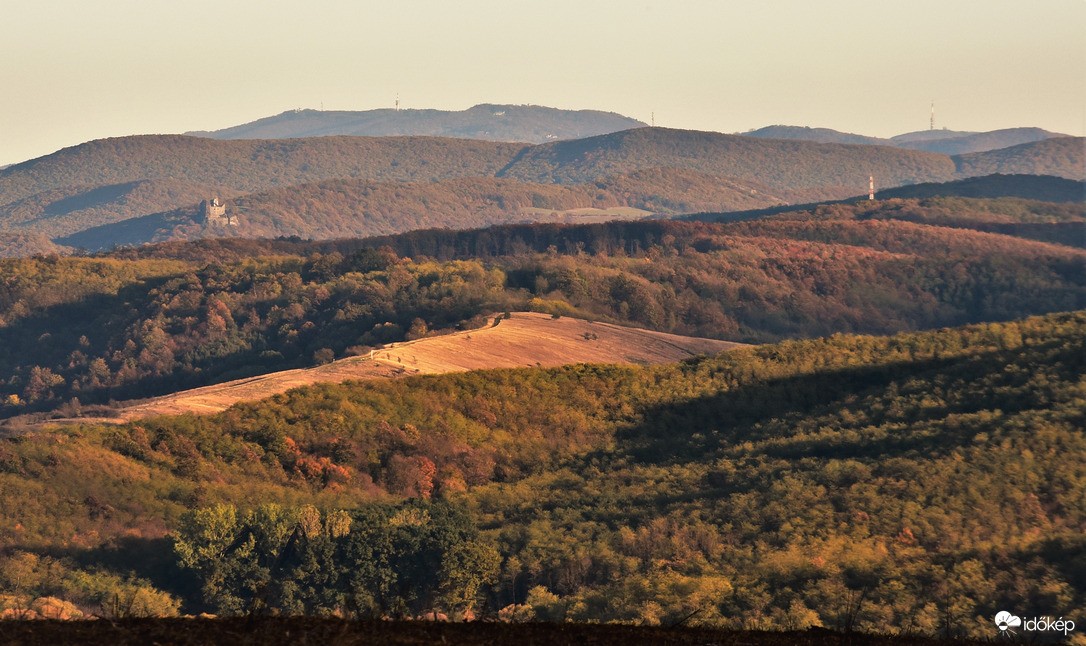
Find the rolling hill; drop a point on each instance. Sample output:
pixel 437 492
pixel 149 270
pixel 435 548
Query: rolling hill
pixel 518 340
pixel 56 213
pixel 959 143
pixel 17 245
pixel 251 165
pixel 362 208
pixel 525 123
pixel 819 135
pixel 1061 157
pixel 130 189
pixel 777 163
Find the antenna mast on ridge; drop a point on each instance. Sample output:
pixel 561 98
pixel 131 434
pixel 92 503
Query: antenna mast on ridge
pixel 933 114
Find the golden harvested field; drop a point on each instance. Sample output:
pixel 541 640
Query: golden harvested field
pixel 525 340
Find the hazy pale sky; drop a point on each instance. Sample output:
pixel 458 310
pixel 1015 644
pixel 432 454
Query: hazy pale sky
pixel 76 70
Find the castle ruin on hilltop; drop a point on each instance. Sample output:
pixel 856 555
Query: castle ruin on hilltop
pixel 215 214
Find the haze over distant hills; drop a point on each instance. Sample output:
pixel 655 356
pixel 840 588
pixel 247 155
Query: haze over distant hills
pixel 948 142
pixel 526 123
pixel 539 124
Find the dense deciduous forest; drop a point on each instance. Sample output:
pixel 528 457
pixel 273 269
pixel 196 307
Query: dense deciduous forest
pixel 77 331
pixel 13 245
pixel 915 483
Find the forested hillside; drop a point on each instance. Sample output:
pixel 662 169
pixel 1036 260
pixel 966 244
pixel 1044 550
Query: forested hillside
pixel 1062 157
pixel 133 190
pixel 778 163
pixel 81 331
pixel 820 135
pixel 251 165
pixel 13 245
pixel 1062 223
pixel 911 484
pixel 362 208
pixel 58 212
pixel 972 142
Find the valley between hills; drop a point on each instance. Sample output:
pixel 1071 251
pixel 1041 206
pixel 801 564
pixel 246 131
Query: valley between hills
pixel 635 376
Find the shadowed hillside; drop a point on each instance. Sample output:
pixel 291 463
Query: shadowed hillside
pixel 1044 188
pixel 1061 157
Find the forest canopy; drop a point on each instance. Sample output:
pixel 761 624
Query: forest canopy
pixel 138 323
pixel 909 483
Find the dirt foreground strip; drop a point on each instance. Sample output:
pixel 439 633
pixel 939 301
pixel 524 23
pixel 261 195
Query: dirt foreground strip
pixel 283 631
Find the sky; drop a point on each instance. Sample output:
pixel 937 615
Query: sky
pixel 72 71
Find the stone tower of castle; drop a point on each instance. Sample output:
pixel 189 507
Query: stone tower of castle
pixel 215 214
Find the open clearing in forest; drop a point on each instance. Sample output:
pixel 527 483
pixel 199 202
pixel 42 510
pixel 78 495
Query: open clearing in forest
pixel 527 339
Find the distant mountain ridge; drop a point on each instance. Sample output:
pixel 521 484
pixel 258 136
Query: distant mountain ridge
pixel 540 124
pixel 488 122
pixel 819 135
pixel 947 142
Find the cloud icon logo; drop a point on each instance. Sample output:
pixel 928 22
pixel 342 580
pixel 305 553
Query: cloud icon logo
pixel 1005 621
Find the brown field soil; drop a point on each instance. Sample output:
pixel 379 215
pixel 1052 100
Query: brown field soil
pixel 527 339
pixel 281 631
